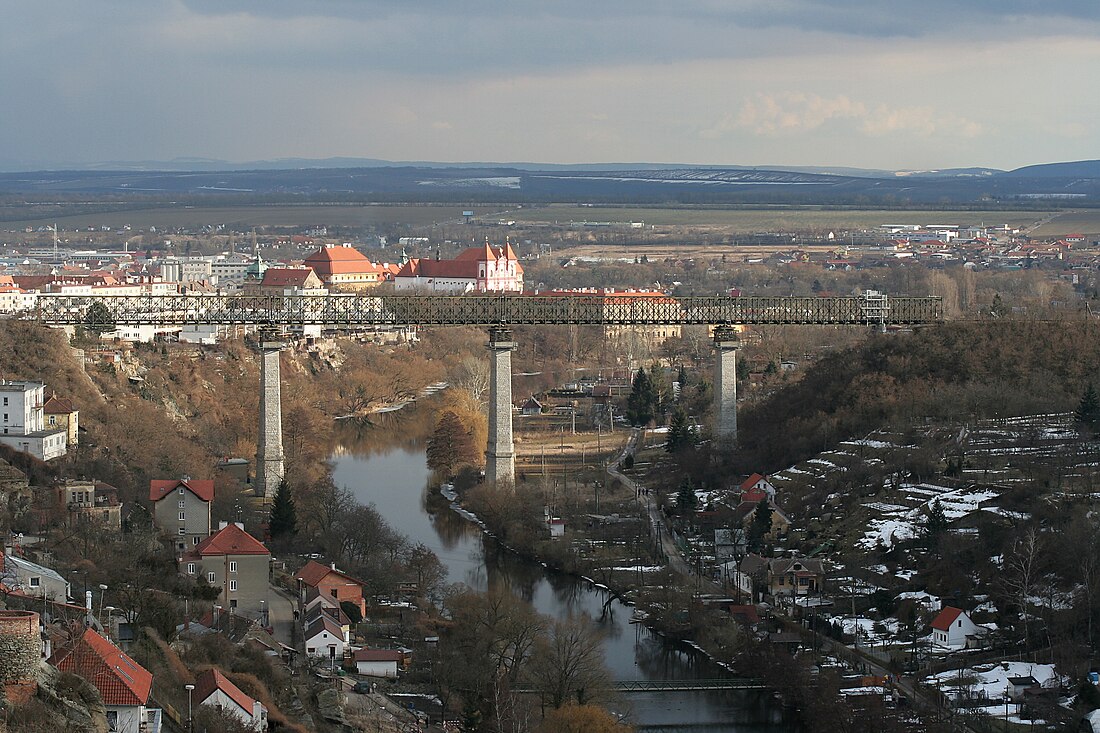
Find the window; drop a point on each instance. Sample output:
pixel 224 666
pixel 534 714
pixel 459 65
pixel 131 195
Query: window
pixel 190 568
pixel 232 602
pixel 210 577
pixel 181 491
pixel 182 516
pixel 333 592
pixel 232 566
pixel 183 531
pixel 233 585
pixel 194 540
pixel 35 582
pixel 182 503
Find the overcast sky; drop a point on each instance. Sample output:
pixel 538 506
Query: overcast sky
pixel 869 83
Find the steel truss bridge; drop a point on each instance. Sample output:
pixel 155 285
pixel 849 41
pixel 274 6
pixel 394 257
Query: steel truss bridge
pixel 339 311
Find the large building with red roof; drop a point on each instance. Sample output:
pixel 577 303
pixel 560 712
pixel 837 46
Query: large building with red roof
pixel 484 269
pixel 345 268
pixel 181 509
pixel 123 684
pixel 237 564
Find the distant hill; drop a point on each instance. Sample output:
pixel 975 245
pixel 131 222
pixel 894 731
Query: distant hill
pixel 1073 169
pixel 355 179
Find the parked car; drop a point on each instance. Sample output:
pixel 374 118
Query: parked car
pixel 363 688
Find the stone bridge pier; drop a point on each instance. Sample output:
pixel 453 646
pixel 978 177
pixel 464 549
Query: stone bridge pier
pixel 500 454
pixel 726 343
pixel 269 446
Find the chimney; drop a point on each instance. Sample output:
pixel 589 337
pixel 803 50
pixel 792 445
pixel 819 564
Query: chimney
pixel 332 565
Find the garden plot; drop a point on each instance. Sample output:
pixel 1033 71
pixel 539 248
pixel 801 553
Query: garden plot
pixel 900 523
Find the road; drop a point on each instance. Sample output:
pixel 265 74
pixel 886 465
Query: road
pixel 281 615
pixel 657 524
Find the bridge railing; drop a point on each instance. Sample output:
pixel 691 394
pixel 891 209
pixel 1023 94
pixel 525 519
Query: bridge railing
pixel 341 310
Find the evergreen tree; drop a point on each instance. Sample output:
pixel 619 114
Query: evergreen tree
pixel 639 409
pixel 686 500
pixel 761 525
pixel 98 319
pixel 677 432
pixel 935 524
pixel 284 516
pixel 682 378
pixel 1088 410
pixel 658 389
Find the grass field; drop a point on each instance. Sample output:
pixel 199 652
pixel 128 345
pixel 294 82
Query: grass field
pixel 773 219
pixel 258 215
pixel 734 221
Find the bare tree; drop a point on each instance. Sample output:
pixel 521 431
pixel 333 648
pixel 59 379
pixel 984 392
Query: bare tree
pixel 472 375
pixel 1022 572
pixel 568 664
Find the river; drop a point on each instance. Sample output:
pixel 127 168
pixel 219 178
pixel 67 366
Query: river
pixel 383 464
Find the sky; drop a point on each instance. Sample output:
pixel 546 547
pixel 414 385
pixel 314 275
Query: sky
pixel 895 84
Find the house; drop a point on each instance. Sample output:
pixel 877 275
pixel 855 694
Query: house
pixel 953 629
pixel 315 611
pixel 326 580
pixel 475 270
pixel 181 508
pixel 757 488
pixel 214 688
pixel 237 564
pixel 34 580
pixel 378 662
pixel 324 638
pixel 62 413
pixel 1021 685
pixel 123 684
pixel 91 500
pixel 531 407
pixel 23 423
pixel 795 576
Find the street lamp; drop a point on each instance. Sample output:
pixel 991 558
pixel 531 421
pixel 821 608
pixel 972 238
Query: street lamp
pixel 190 722
pixel 102 592
pixel 107 628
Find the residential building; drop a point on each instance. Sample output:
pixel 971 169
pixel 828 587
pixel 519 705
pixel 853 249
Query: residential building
pixel 378 662
pixel 292 281
pixel 24 421
pixel 476 270
pixel 123 684
pixel 954 629
pixel 181 508
pixel 795 576
pixel 60 412
pixel 32 579
pixel 756 488
pixel 91 500
pixel 324 638
pixel 317 579
pixel 237 564
pixel 214 688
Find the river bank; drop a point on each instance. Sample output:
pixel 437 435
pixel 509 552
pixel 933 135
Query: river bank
pixel 395 479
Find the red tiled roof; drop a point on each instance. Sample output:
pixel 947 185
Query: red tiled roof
pixel 286 277
pixel 58 406
pixel 946 618
pixel 338 261
pixel 313 572
pixel 230 540
pixel 378 655
pixel 160 488
pixel 119 679
pixel 748 483
pixel 211 680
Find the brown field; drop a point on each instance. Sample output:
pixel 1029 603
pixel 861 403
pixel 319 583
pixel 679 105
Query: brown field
pixel 1081 221
pixel 258 215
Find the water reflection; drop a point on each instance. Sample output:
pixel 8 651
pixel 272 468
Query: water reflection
pixel 382 462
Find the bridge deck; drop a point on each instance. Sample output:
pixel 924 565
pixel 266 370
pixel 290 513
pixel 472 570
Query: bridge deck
pixel 351 311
